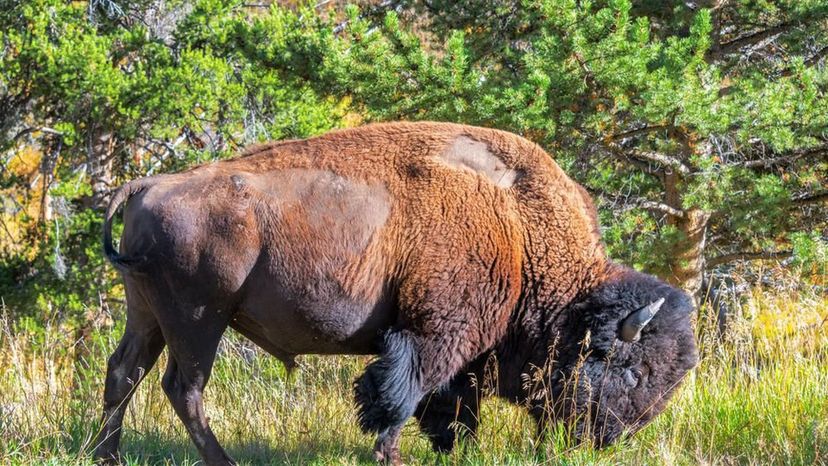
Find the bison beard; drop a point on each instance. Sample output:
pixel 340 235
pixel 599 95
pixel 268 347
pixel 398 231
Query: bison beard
pixel 438 247
pixel 601 384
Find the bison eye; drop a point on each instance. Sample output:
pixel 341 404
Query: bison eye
pixel 634 375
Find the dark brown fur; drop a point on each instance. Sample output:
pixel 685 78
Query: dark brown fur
pixel 433 245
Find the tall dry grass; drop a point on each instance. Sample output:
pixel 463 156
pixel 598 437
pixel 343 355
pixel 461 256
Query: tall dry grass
pixel 759 396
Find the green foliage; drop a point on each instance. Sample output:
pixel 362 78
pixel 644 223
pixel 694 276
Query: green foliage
pixel 811 252
pixel 579 76
pixel 107 100
pixel 67 275
pixel 649 105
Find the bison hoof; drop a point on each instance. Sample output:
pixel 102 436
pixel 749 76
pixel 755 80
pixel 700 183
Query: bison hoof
pixel 443 444
pixel 388 456
pixel 107 459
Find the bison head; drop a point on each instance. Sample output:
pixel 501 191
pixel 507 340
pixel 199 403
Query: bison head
pixel 621 352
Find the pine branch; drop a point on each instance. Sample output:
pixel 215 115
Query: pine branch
pixel 750 39
pixel 785 159
pixel 648 156
pixel 35 129
pixel 716 18
pixel 645 167
pixel 373 10
pixel 748 256
pixel 636 132
pixel 813 60
pixel 589 77
pixel 810 198
pixel 630 202
pixel 660 207
pixel 817 56
pixel 787 72
pixel 662 159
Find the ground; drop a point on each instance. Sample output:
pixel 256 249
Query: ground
pixel 759 396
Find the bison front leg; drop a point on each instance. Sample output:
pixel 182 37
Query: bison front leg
pixel 453 305
pixel 409 366
pixel 450 412
pixel 388 392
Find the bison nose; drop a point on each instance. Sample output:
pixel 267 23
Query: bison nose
pixel 631 377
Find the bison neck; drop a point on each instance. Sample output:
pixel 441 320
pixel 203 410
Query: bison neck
pixel 555 274
pixel 563 254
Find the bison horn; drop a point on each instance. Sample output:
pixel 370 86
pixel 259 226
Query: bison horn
pixel 635 322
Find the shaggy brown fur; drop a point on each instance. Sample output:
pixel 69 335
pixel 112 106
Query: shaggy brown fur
pixel 431 244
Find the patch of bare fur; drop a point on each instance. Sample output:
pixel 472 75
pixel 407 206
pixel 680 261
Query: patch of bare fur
pixel 469 154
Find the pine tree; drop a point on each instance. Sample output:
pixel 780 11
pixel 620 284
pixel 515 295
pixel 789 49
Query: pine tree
pixel 701 127
pixel 106 92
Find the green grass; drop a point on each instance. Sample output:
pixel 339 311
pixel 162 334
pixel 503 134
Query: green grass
pixel 759 396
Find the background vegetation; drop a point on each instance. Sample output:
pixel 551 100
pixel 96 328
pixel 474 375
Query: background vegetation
pixel 700 127
pixel 759 396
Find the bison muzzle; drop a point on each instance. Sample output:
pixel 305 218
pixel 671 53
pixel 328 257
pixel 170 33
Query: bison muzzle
pixel 449 251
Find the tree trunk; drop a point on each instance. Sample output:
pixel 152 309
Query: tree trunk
pixel 687 258
pixel 46 168
pixel 51 152
pixel 99 149
pixel 686 261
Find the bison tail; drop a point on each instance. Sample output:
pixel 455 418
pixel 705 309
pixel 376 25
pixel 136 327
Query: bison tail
pixel 121 262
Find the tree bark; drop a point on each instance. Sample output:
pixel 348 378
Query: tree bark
pixel 99 169
pixel 686 261
pixel 99 149
pixel 51 152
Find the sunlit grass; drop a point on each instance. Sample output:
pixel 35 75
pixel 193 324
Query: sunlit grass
pixel 759 396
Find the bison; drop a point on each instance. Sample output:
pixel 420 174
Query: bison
pixel 447 250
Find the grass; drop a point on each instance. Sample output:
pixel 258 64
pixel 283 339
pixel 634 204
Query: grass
pixel 759 396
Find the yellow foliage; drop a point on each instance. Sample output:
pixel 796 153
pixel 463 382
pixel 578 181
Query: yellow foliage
pixel 21 203
pixel 799 324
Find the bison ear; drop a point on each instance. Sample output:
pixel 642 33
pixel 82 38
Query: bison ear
pixel 635 322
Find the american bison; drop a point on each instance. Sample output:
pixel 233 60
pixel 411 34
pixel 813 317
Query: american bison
pixel 447 250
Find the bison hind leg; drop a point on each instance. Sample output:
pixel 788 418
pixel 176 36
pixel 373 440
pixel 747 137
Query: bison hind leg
pixel 388 391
